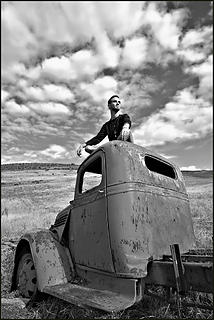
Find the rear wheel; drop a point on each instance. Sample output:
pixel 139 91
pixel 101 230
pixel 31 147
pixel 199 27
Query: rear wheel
pixel 26 279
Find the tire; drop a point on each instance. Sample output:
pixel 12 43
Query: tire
pixel 26 279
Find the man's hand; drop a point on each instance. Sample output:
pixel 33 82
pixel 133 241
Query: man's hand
pixel 90 149
pixel 80 148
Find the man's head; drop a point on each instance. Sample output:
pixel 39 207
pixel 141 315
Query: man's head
pixel 114 103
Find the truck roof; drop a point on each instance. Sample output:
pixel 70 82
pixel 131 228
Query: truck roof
pixel 128 162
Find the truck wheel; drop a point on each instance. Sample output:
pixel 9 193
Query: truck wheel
pixel 26 280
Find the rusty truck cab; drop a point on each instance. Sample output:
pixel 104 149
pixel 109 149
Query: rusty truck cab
pixel 132 208
pixel 130 211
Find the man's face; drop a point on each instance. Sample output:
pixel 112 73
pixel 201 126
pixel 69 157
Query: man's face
pixel 115 104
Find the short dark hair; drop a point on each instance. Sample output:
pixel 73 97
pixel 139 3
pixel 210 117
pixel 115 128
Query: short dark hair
pixel 115 95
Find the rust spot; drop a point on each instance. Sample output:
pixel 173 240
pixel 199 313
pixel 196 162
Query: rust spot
pixel 83 215
pixel 134 245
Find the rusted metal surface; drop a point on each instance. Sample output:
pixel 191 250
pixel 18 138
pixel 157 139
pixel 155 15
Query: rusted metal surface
pixel 146 211
pixel 136 217
pixel 191 258
pixel 85 296
pixel 50 260
pixel 178 269
pixel 125 163
pixel 100 290
pixel 89 234
pixel 197 277
pixel 107 281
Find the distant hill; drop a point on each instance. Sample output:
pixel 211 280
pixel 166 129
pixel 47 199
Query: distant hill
pixel 38 166
pixel 73 166
pixel 198 174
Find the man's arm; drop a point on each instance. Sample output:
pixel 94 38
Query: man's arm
pixel 95 140
pixel 125 133
pixel 99 137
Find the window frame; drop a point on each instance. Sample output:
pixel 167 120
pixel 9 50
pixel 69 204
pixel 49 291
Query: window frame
pixel 161 161
pixel 83 169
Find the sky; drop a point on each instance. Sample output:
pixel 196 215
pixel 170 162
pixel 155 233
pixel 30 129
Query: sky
pixel 62 60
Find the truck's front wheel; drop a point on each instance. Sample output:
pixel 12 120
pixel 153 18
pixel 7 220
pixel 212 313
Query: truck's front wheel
pixel 26 280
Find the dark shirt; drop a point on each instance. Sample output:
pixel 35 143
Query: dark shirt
pixel 111 128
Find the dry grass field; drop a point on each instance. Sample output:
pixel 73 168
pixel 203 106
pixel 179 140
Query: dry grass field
pixel 32 198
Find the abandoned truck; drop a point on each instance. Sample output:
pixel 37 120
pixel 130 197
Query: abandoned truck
pixel 129 225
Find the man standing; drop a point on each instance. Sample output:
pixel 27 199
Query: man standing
pixel 117 128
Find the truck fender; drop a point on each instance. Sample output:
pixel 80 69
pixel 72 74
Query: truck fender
pixel 51 260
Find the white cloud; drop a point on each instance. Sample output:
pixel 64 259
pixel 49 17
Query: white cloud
pixel 7 137
pixel 167 156
pixel 6 159
pixel 17 71
pixel 135 52
pixel 66 22
pixel 54 151
pixel 30 154
pixel 80 64
pixel 195 37
pixel 60 68
pixel 35 93
pixel 101 89
pixel 205 73
pixel 49 108
pixel 187 117
pixel 84 62
pixel 115 15
pixel 4 95
pixel 166 27
pixel 12 107
pixel 191 55
pixel 53 52
pixel 16 37
pixel 49 92
pixel 58 93
pixel 190 168
pixel 108 54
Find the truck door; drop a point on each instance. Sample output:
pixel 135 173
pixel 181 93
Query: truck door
pixel 89 239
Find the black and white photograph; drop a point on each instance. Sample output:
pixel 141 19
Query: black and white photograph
pixel 106 159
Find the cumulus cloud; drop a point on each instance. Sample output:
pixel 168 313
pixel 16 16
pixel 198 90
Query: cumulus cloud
pixel 30 155
pixel 41 24
pixel 101 89
pixel 114 16
pixel 190 168
pixel 49 92
pixel 49 108
pixel 205 73
pixel 192 55
pixel 195 37
pixel 54 151
pixel 135 52
pixel 58 67
pixel 63 60
pixel 4 95
pixel 12 107
pixel 186 117
pixel 167 156
pixel 165 26
pixel 79 65
pixel 7 137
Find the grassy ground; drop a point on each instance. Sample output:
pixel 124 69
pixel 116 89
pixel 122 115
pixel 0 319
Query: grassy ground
pixel 33 198
pixel 200 191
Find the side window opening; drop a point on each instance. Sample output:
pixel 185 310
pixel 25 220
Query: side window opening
pixel 91 177
pixel 159 166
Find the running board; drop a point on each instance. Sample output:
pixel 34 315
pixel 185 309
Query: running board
pixel 89 297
